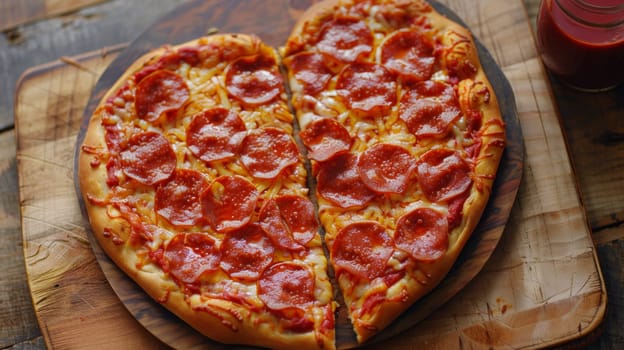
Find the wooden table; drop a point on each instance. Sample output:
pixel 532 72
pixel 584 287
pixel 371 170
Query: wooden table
pixel 39 31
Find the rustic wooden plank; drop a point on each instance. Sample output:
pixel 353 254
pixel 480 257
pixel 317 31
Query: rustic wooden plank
pixel 105 24
pixel 532 8
pixel 17 12
pixel 17 319
pixel 612 259
pixel 597 147
pixel 32 344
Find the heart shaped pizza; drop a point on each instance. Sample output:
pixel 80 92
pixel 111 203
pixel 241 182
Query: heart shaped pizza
pixel 254 191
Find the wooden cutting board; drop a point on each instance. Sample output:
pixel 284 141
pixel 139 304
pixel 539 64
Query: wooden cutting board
pixel 541 287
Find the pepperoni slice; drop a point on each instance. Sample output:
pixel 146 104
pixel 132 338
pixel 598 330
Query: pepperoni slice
pixel 215 134
pixel 266 152
pixel 409 54
pixel 229 203
pixel 160 92
pixel 286 285
pixel 443 174
pixel 253 80
pixel 340 183
pixel 367 87
pixel 386 168
pixel 311 70
pixel 148 158
pixel 289 221
pixel 345 38
pixel 246 253
pixel 423 234
pixel 188 256
pixel 429 109
pixel 324 138
pixel 171 60
pixel 362 249
pixel 177 200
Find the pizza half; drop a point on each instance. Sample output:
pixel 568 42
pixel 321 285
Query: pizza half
pixel 184 194
pixel 404 134
pixel 239 215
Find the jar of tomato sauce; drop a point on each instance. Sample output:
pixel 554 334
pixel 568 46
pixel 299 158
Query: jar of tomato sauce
pixel 582 42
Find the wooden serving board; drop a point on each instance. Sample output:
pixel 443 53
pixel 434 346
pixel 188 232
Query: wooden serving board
pixel 542 286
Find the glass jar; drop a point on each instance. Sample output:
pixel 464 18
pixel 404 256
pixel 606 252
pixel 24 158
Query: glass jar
pixel 582 42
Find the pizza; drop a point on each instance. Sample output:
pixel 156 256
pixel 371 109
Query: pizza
pixel 255 191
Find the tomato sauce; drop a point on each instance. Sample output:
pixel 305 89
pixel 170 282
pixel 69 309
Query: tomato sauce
pixel 582 42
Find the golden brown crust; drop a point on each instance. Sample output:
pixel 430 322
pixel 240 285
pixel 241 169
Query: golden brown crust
pixel 475 94
pixel 218 318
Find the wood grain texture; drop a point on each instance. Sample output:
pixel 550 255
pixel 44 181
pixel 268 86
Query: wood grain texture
pixel 515 300
pixel 601 154
pixel 16 12
pixel 105 24
pixel 612 260
pixel 17 319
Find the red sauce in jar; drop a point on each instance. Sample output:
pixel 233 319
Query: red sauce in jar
pixel 582 42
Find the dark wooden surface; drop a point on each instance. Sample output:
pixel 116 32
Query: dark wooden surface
pixel 15 13
pixel 593 125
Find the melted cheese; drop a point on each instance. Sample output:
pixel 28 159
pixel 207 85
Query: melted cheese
pixel 206 90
